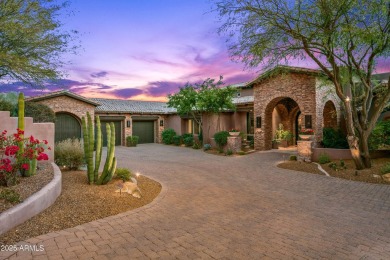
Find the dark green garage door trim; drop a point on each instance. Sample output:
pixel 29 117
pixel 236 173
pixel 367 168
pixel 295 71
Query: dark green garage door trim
pixel 144 130
pixel 118 131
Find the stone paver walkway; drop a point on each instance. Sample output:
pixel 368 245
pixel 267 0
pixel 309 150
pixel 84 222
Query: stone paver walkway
pixel 232 208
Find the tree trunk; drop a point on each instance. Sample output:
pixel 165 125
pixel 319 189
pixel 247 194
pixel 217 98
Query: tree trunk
pixel 364 149
pixel 353 143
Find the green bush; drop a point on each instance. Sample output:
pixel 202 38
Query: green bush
pixel 177 140
pixel 380 135
pixel 167 135
pixel 385 168
pixel 6 106
pixel 293 158
pixel 241 153
pixel 40 112
pixel 221 138
pixel 10 196
pixel 69 153
pixel 188 141
pixel 123 174
pixel 132 140
pixel 187 135
pixel 196 145
pixel 334 139
pixel 323 158
pixel 229 152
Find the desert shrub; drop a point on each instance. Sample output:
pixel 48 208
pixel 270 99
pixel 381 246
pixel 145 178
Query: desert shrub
pixel 176 140
pixel 187 135
pixel 40 112
pixel 385 168
pixel 69 153
pixel 229 152
pixel 206 147
pixel 323 158
pixel 167 135
pixel 10 196
pixel 334 138
pixel 293 158
pixel 196 145
pixel 123 174
pixel 380 135
pixel 188 141
pixel 132 140
pixel 336 167
pixel 241 153
pixel 221 138
pixel 6 106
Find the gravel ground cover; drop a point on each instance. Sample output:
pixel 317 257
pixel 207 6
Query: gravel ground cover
pixel 372 175
pixel 81 203
pixel 29 185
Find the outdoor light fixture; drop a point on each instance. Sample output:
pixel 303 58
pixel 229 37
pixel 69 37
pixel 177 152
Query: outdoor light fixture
pixel 161 122
pixel 347 99
pixel 128 123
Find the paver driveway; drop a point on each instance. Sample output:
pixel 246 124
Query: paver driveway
pixel 234 208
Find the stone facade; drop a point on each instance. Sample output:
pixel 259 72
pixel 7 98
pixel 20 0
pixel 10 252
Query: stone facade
pixel 298 87
pixel 69 105
pixel 304 151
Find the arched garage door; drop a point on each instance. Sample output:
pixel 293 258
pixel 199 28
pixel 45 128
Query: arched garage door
pixel 66 126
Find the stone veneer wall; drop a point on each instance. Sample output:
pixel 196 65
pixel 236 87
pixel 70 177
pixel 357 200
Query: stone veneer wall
pixel 325 93
pixel 297 86
pixel 69 105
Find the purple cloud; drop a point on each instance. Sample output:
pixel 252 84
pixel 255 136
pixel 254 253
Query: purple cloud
pixel 162 88
pixel 126 92
pixel 100 74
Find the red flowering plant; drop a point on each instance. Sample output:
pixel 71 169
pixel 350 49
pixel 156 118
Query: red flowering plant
pixel 306 131
pixel 15 161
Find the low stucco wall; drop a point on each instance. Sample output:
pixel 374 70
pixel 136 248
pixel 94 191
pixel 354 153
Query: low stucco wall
pixel 334 154
pixel 41 131
pixel 33 205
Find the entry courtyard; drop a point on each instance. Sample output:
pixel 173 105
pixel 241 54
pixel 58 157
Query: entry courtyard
pixel 241 207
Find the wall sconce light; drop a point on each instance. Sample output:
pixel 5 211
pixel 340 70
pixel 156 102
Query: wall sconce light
pixel 128 123
pixel 161 122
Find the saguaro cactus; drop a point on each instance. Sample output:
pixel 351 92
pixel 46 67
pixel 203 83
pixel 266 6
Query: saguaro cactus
pixel 21 120
pixel 110 164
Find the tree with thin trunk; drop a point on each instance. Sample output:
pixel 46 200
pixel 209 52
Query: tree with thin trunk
pixel 31 41
pixel 206 97
pixel 345 38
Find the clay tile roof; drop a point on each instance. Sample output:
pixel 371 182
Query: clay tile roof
pixel 132 106
pixel 62 93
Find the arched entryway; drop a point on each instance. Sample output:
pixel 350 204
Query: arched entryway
pixel 329 115
pixel 281 112
pixel 66 126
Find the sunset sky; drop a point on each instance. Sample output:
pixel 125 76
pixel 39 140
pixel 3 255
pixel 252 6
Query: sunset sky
pixel 137 49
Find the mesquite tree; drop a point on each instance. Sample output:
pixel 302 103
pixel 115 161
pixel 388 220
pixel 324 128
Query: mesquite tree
pixel 344 38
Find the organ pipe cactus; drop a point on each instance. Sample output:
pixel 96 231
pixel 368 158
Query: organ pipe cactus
pixel 99 147
pixel 89 142
pixel 110 164
pixel 88 135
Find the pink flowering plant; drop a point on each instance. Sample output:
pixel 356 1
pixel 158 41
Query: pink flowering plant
pixel 15 162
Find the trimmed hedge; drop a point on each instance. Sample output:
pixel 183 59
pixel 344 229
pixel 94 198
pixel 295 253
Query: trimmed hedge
pixel 167 135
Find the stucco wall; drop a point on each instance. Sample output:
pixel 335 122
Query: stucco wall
pixel 210 124
pixel 40 131
pixel 174 122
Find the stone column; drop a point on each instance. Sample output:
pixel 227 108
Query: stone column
pixel 304 151
pixel 234 143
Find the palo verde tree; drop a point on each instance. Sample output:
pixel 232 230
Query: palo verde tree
pixel 344 38
pixel 32 40
pixel 205 97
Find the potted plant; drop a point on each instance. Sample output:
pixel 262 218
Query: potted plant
pixel 234 132
pixel 275 144
pixel 306 134
pixel 282 138
pixel 286 138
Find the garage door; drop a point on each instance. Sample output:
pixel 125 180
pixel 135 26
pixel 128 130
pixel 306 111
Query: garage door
pixel 118 132
pixel 145 131
pixel 66 126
